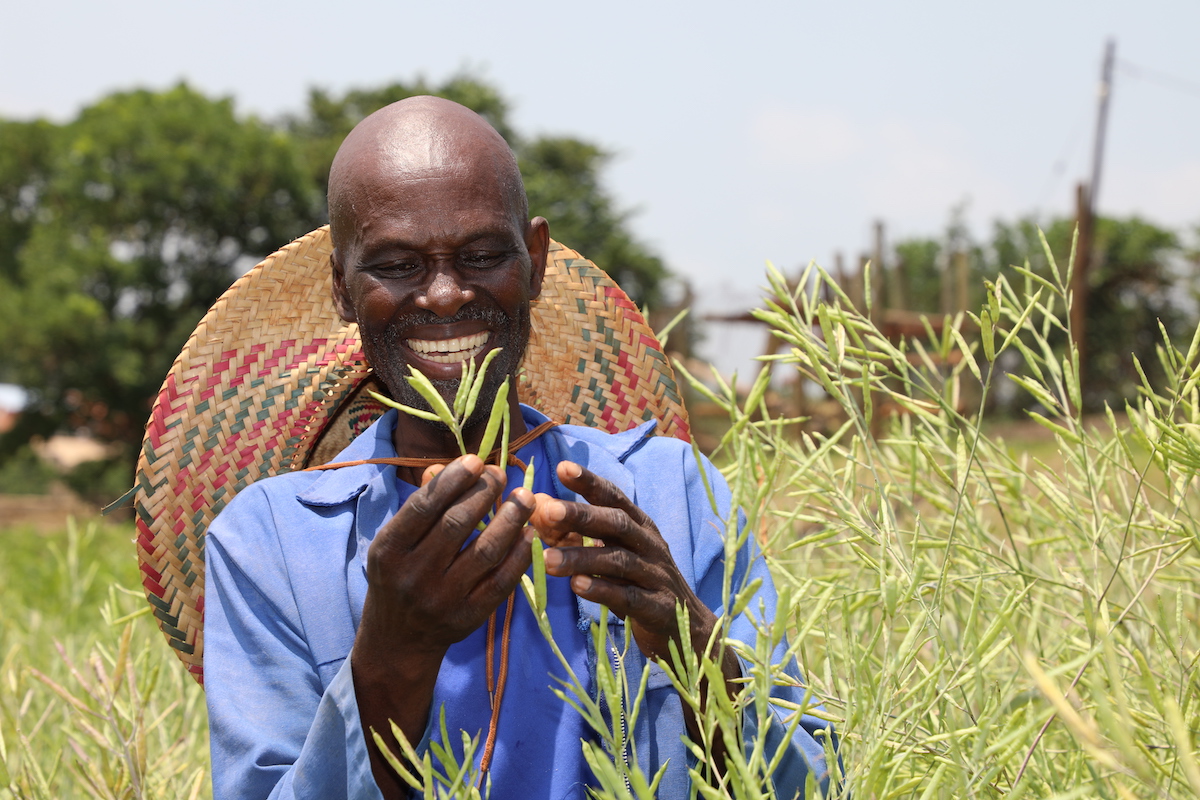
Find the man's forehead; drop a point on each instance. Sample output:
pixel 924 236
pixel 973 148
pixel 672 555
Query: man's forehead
pixel 414 141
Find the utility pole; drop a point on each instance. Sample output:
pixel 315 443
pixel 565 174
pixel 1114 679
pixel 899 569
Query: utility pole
pixel 1085 202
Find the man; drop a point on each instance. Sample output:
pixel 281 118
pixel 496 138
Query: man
pixel 340 602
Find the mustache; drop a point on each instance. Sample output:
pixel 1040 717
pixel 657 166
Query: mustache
pixel 494 317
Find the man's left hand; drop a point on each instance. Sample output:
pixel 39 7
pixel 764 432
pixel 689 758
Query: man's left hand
pixel 633 574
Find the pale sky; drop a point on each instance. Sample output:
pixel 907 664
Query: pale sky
pixel 744 132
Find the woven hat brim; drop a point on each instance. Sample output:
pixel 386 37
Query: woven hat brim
pixel 270 381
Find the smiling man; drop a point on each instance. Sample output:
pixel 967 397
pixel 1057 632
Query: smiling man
pixel 342 601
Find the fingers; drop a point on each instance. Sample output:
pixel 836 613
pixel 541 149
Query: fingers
pixel 608 515
pixel 449 504
pixel 599 491
pixel 614 564
pixel 499 549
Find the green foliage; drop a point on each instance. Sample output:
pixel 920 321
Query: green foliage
pixel 1133 287
pixel 98 482
pixel 562 179
pixel 130 221
pixel 24 473
pixel 997 626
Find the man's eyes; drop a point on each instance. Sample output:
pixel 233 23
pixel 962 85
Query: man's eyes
pixel 396 268
pixel 475 259
pixel 483 259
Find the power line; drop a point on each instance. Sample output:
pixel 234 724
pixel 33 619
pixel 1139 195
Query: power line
pixel 1164 79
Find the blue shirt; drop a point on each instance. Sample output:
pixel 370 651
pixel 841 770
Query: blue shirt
pixel 285 586
pixel 537 746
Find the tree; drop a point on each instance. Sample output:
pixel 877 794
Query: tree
pixel 133 220
pixel 1133 288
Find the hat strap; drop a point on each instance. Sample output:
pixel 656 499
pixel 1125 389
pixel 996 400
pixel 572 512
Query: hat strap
pixel 493 456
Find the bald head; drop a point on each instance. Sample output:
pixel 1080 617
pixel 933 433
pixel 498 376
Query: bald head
pixel 416 138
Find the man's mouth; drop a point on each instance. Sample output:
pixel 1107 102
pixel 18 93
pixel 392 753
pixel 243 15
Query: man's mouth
pixel 449 351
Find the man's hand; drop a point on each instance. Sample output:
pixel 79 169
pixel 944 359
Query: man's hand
pixel 633 574
pixel 426 591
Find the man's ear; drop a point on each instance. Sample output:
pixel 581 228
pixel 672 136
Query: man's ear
pixel 341 299
pixel 537 240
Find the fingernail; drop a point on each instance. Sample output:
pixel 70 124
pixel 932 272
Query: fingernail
pixel 581 583
pixel 571 469
pixel 556 512
pixel 553 558
pixel 472 462
pixel 529 534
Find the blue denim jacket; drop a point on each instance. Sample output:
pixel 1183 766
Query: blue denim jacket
pixel 285 586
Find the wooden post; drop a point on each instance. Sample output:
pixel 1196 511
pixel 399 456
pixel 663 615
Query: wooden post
pixel 1085 210
pixel 1079 275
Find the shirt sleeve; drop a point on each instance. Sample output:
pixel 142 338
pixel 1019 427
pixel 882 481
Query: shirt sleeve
pixel 275 731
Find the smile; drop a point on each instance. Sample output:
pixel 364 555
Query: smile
pixel 449 351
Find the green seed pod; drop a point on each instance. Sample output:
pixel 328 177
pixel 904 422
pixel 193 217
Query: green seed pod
pixel 476 382
pixel 426 389
pixel 539 577
pixel 499 411
pixel 529 475
pixel 416 412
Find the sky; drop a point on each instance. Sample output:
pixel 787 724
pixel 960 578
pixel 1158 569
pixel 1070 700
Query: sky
pixel 741 132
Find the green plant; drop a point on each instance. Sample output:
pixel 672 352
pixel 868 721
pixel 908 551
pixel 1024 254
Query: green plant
pixel 24 473
pixel 92 704
pixel 979 620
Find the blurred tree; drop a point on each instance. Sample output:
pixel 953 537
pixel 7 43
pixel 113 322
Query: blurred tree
pixel 328 118
pixel 1134 283
pixel 1134 286
pixel 130 222
pixel 562 179
pixel 562 174
pixel 923 270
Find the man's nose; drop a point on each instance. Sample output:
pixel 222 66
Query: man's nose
pixel 445 295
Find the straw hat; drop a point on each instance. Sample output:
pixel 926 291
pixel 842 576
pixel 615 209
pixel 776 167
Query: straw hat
pixel 272 380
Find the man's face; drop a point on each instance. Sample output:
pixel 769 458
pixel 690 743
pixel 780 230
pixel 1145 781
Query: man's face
pixel 438 270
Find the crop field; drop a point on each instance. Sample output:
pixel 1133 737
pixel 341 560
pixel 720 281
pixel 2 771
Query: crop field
pixel 982 614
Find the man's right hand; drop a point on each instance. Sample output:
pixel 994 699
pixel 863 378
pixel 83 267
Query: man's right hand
pixel 426 591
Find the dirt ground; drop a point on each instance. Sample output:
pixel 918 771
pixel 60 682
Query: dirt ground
pixel 44 512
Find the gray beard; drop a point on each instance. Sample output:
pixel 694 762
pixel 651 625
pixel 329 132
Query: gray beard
pixel 384 354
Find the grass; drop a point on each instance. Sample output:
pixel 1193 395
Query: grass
pixel 92 702
pixel 985 614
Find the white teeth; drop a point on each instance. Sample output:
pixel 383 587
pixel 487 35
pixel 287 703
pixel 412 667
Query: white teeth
pixel 449 351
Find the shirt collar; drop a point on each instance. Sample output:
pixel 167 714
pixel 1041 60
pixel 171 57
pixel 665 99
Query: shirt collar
pixel 337 486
